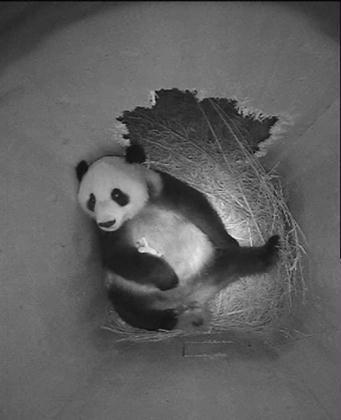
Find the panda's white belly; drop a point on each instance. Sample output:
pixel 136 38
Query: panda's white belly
pixel 180 243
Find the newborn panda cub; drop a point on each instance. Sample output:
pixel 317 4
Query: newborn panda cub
pixel 164 248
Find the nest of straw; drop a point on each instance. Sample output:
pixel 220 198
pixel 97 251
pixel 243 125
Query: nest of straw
pixel 212 144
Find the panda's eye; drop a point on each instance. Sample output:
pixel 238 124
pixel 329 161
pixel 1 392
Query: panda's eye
pixel 91 202
pixel 119 197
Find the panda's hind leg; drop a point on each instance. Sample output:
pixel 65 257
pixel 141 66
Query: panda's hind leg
pixel 245 261
pixel 137 309
pixel 227 267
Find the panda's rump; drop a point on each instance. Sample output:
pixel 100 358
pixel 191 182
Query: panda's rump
pixel 180 243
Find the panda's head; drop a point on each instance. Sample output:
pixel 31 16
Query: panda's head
pixel 114 189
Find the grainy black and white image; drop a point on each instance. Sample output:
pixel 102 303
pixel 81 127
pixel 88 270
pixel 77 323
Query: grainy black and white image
pixel 170 218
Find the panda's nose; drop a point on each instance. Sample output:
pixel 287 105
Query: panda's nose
pixel 107 224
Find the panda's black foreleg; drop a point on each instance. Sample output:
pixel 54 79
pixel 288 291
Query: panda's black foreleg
pixel 120 257
pixel 245 261
pixel 137 309
pixel 141 268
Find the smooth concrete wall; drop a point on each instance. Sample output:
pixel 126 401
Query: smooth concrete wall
pixel 66 70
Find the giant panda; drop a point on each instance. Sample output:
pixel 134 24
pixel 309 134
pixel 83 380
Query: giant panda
pixel 164 249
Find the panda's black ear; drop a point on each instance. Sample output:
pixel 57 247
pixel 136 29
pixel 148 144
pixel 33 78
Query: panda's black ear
pixel 135 154
pixel 81 169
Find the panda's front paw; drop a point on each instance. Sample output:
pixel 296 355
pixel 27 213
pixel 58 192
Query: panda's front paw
pixel 144 248
pixel 169 320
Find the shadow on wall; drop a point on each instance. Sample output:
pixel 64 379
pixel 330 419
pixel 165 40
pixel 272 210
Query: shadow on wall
pixel 24 24
pixel 325 15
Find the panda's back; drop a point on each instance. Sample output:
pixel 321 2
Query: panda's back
pixel 179 241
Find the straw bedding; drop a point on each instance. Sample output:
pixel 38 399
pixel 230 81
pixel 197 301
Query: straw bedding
pixel 213 144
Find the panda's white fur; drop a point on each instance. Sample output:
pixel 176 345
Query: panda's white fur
pixel 175 224
pixel 178 241
pixel 185 247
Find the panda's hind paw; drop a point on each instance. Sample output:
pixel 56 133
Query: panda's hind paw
pixel 271 251
pixel 169 320
pixel 273 243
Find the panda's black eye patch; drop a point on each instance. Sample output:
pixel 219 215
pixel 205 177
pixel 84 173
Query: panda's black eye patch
pixel 91 202
pixel 119 197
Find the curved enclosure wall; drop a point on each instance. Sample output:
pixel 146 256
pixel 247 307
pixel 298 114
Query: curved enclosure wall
pixel 66 71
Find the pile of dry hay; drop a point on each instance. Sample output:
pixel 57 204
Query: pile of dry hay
pixel 212 145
